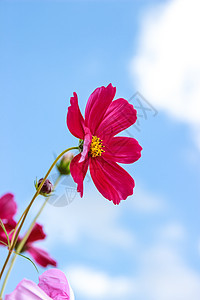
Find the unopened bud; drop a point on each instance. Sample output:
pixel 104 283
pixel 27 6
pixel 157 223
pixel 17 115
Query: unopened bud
pixel 47 187
pixel 63 165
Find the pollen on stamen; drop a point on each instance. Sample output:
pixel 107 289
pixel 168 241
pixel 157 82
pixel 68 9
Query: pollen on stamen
pixel 96 147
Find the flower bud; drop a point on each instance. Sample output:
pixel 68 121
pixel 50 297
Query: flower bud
pixel 47 187
pixel 63 165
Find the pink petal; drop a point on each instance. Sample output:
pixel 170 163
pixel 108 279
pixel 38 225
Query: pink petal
pixel 27 290
pixel 54 283
pixel 112 181
pixel 75 121
pixel 123 150
pixel 8 206
pixel 86 145
pixel 36 234
pixel 119 116
pixel 78 171
pixel 97 105
pixel 40 256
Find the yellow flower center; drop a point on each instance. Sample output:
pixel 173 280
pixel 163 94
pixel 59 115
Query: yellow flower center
pixel 96 147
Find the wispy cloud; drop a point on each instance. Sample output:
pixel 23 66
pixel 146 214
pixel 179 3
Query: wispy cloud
pixel 161 272
pixel 94 284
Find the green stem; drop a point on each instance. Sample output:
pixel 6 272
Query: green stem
pixel 23 241
pixel 28 208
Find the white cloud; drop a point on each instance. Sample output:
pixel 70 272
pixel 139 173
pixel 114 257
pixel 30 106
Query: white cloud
pixel 166 68
pixel 162 274
pixel 93 284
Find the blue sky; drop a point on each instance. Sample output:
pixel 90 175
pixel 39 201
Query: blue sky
pixel 148 247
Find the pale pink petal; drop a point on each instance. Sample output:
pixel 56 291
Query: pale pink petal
pixel 8 206
pixel 40 256
pixel 78 171
pixel 112 181
pixel 86 144
pixel 123 150
pixel 54 283
pixel 27 290
pixel 75 121
pixel 36 234
pixel 97 105
pixel 119 116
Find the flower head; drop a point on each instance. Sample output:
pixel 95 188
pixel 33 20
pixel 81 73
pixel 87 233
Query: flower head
pixel 101 148
pixel 53 285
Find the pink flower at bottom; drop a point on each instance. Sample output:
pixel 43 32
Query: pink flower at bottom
pixel 101 148
pixel 53 285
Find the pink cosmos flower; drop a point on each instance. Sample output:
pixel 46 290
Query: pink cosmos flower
pixel 8 209
pixel 101 148
pixel 53 285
